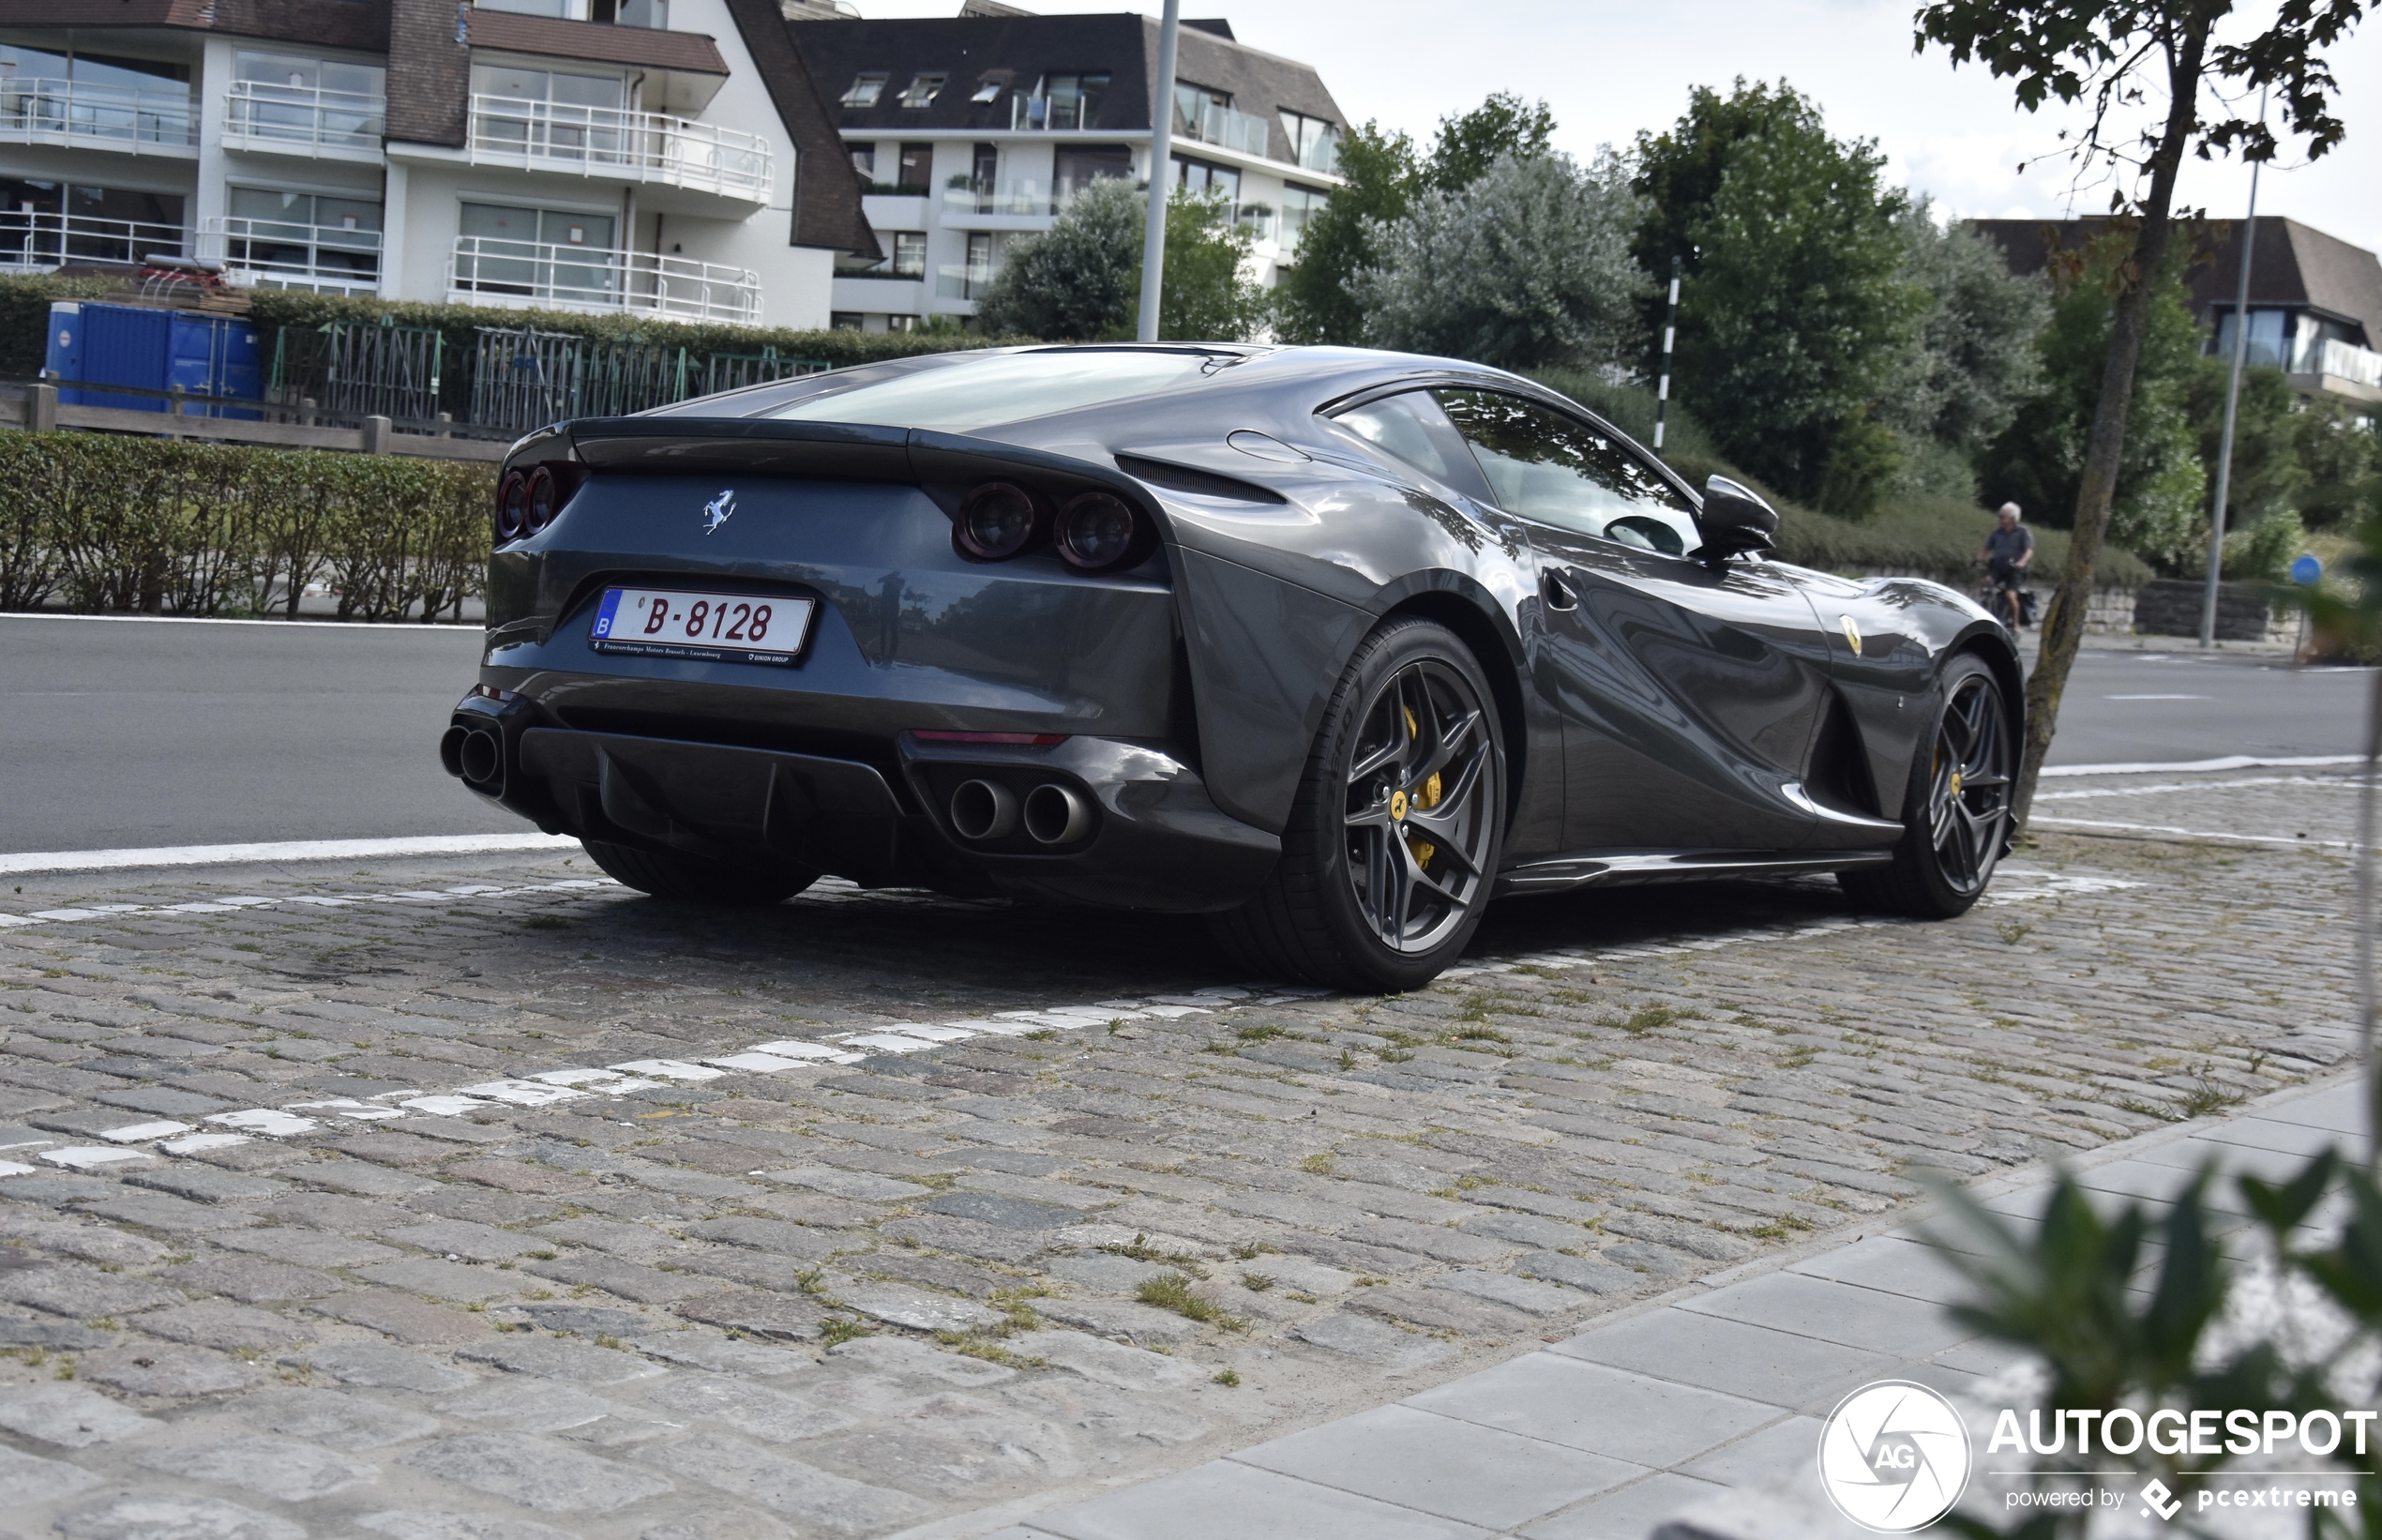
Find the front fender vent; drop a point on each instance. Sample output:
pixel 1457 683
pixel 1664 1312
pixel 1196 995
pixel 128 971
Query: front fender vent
pixel 1181 478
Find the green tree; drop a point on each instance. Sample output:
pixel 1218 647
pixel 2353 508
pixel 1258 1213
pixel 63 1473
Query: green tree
pixel 2268 477
pixel 2039 460
pixel 1973 358
pixel 1526 266
pixel 1077 281
pixel 1467 146
pixel 2341 450
pixel 1797 314
pixel 1207 297
pixel 2116 55
pixel 1315 300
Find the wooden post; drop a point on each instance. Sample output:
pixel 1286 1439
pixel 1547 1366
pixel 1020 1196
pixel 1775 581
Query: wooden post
pixel 306 411
pixel 42 408
pixel 376 434
pixel 445 418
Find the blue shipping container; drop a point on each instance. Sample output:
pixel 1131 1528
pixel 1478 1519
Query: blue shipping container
pixel 151 348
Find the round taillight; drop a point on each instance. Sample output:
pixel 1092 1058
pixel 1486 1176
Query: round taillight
pixel 996 521
pixel 512 506
pixel 541 499
pixel 1098 533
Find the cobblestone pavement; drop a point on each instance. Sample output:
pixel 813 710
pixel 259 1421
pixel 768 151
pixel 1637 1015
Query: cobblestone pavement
pixel 476 1198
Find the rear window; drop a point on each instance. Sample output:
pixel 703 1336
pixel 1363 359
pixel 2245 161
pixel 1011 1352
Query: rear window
pixel 1003 388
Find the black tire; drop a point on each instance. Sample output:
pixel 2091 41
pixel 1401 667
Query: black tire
pixel 1956 810
pixel 1412 710
pixel 690 879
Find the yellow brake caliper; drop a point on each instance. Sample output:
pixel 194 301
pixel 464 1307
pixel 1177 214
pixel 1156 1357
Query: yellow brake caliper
pixel 1426 798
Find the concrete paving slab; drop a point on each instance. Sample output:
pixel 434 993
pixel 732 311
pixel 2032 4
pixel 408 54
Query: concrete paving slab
pixel 1228 1498
pixel 1569 1401
pixel 1759 1456
pixel 1630 1514
pixel 1891 1263
pixel 1438 1465
pixel 1869 1318
pixel 1758 1363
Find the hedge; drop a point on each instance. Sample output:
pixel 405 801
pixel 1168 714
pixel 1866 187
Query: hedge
pixel 111 523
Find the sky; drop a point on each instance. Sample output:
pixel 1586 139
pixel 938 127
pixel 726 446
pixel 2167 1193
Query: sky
pixel 1609 69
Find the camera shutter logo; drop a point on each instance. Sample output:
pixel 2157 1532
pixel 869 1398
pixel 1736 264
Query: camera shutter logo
pixel 1893 1456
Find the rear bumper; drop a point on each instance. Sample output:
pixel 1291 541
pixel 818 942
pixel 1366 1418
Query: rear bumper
pixel 1157 840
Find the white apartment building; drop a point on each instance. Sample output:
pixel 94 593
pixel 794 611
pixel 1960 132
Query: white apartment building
pixel 972 132
pixel 640 157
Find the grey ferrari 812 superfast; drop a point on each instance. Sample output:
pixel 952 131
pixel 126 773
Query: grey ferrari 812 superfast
pixel 1334 646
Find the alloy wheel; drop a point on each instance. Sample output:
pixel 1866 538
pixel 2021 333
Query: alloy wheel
pixel 1968 798
pixel 1421 806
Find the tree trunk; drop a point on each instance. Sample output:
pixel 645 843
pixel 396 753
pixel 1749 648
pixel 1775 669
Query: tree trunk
pixel 2063 623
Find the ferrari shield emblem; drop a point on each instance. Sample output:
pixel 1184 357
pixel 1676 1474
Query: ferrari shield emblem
pixel 1852 632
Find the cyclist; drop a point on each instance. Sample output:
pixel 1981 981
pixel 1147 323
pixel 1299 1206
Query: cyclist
pixel 2009 550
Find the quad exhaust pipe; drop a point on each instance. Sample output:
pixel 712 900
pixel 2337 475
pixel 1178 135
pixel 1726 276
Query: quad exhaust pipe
pixel 474 755
pixel 1052 814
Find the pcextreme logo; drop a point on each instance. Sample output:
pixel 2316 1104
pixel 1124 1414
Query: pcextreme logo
pixel 1893 1456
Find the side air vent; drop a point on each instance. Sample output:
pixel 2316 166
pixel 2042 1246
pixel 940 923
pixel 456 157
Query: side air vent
pixel 1181 478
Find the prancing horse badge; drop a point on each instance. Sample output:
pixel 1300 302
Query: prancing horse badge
pixel 715 513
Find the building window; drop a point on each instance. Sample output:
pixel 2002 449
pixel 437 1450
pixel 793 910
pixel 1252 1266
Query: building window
pixel 303 232
pixel 1076 167
pixel 1299 205
pixel 44 224
pixel 1192 102
pixel 95 96
pixel 864 164
pixel 987 92
pixel 901 322
pixel 917 169
pixel 566 10
pixel 910 253
pixel 922 90
pixel 1315 144
pixel 979 263
pixel 847 321
pixel 1074 99
pixel 652 14
pixel 310 101
pixel 1201 177
pixel 558 255
pixel 867 87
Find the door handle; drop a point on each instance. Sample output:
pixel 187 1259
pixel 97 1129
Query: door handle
pixel 1557 594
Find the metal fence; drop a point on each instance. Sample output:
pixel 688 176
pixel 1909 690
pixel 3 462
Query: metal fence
pixel 357 370
pixel 525 379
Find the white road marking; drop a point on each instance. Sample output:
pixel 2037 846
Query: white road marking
pixel 2336 783
pixel 2171 767
pixel 289 850
pixel 2173 831
pixel 2154 698
pixel 436 629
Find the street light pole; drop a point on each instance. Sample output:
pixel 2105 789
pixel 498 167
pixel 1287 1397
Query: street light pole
pixel 2232 402
pixel 1670 333
pixel 1154 232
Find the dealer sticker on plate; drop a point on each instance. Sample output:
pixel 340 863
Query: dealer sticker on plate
pixel 704 628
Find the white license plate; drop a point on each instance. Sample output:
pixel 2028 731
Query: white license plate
pixel 705 627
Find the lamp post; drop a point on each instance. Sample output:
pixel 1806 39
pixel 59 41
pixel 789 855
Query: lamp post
pixel 2232 402
pixel 1154 232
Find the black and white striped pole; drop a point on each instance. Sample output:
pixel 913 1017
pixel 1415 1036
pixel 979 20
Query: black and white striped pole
pixel 1670 334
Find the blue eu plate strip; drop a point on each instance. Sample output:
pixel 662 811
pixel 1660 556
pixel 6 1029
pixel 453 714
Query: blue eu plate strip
pixel 604 616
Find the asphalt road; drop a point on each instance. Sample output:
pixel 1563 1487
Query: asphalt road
pixel 129 734
pixel 118 733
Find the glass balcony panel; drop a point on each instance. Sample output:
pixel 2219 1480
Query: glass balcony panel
pixel 82 112
pixel 607 141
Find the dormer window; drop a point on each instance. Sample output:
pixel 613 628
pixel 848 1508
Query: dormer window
pixel 922 90
pixel 988 92
pixel 867 87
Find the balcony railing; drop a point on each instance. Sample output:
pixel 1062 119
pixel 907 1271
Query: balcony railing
pixel 2348 361
pixel 49 112
pixel 962 280
pixel 1038 114
pixel 607 142
pixel 34 242
pixel 1226 126
pixel 598 278
pixel 273 254
pixel 1026 195
pixel 301 120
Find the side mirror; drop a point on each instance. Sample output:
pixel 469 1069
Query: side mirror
pixel 1734 521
